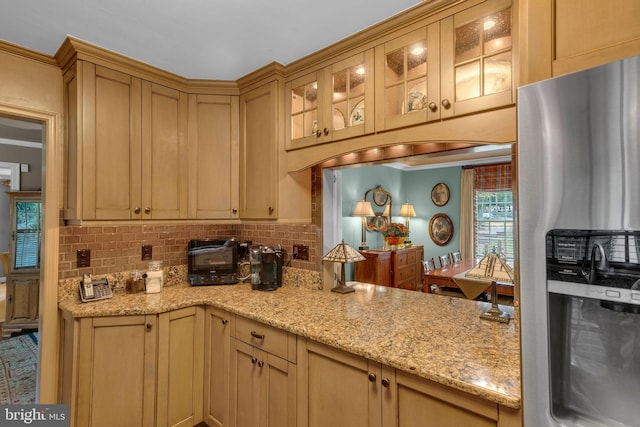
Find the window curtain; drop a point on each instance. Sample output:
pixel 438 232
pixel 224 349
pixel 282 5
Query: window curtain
pixel 467 223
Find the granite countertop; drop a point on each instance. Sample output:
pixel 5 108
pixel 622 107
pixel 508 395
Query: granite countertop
pixel 436 337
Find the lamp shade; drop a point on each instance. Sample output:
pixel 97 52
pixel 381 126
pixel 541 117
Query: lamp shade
pixel 343 253
pixel 363 208
pixel 492 267
pixel 387 211
pixel 407 210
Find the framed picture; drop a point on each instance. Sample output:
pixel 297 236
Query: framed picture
pixel 440 194
pixel 440 229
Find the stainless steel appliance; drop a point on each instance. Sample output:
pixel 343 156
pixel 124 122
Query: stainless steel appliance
pixel 266 267
pixel 212 261
pixel 579 216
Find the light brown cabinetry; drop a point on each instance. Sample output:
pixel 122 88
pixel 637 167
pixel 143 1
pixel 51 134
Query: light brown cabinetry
pixel 259 152
pixel 399 268
pixel 263 376
pixel 213 157
pixel 133 370
pixel 126 147
pixel 342 389
pixel 336 388
pixel 218 326
pixel 459 65
pixel 561 37
pixel 330 104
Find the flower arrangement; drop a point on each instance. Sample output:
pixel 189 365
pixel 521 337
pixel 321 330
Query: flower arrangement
pixel 394 229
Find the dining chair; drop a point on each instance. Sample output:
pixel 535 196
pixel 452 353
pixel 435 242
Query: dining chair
pixel 444 260
pixel 430 264
pixel 456 257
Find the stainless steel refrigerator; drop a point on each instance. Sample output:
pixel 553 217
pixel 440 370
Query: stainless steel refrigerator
pixel 579 247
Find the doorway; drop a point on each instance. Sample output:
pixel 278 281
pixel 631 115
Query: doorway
pixel 21 165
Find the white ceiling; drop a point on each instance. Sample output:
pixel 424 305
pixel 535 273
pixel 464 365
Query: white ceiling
pixel 199 39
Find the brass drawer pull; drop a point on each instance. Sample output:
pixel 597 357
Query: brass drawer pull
pixel 257 335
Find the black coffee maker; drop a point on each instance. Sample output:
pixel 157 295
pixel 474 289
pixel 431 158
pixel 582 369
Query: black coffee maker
pixel 266 267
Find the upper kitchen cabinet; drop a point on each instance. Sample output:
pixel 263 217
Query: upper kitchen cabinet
pixel 213 157
pixel 126 147
pixel 259 152
pixel 459 65
pixel 561 37
pixel 330 104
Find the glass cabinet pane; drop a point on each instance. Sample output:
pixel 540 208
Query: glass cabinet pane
pixel 406 79
pixel 483 63
pixel 304 114
pixel 348 97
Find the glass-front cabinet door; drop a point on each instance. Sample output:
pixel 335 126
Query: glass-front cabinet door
pixel 330 104
pixel 478 61
pixel 408 79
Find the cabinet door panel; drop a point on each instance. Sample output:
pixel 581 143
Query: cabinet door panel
pixel 258 149
pixel 279 383
pixel 111 143
pixel 213 156
pixel 218 348
pixel 180 364
pixel 164 131
pixel 22 299
pixel 338 390
pixel 111 378
pixel 245 387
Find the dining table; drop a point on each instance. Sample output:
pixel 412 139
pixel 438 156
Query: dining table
pixel 444 277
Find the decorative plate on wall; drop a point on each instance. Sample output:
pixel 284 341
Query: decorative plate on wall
pixel 440 194
pixel 441 229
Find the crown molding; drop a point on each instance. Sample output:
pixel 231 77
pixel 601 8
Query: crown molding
pixel 24 52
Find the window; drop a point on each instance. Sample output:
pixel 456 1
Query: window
pixel 26 232
pixel 493 211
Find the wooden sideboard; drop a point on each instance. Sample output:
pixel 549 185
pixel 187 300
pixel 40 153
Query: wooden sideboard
pixel 401 268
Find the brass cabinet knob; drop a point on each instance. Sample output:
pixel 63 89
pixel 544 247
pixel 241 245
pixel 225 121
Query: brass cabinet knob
pixel 149 325
pixel 372 377
pixel 260 364
pixel 271 210
pixel 147 210
pixel 136 210
pixel 446 104
pixel 433 106
pixel 386 382
pixel 326 131
pixel 234 210
pixel 318 133
pixel 254 360
pixel 225 321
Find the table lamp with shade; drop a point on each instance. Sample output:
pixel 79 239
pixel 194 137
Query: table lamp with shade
pixel 493 268
pixel 343 254
pixel 363 210
pixel 407 211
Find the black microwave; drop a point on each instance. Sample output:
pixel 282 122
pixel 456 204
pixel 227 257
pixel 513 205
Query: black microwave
pixel 212 262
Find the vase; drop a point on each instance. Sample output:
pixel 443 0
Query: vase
pixel 392 242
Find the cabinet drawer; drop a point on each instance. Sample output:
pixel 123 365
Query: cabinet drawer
pixel 265 337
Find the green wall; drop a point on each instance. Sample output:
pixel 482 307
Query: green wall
pixel 410 186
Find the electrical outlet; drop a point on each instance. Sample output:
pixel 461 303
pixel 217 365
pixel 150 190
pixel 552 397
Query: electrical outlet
pixel 83 257
pixel 147 252
pixel 301 252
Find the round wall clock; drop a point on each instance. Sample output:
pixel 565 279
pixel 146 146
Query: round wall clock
pixel 441 229
pixel 440 194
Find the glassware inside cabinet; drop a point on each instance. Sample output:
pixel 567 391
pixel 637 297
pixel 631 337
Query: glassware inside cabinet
pixel 348 97
pixel 406 79
pixel 304 110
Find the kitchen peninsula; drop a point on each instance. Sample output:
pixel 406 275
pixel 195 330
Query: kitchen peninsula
pixel 405 338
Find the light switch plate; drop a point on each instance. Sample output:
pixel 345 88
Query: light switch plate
pixel 147 252
pixel 83 257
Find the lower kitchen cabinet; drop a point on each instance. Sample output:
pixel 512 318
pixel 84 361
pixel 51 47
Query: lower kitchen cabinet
pixel 336 388
pixel 142 370
pixel 263 376
pixel 218 325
